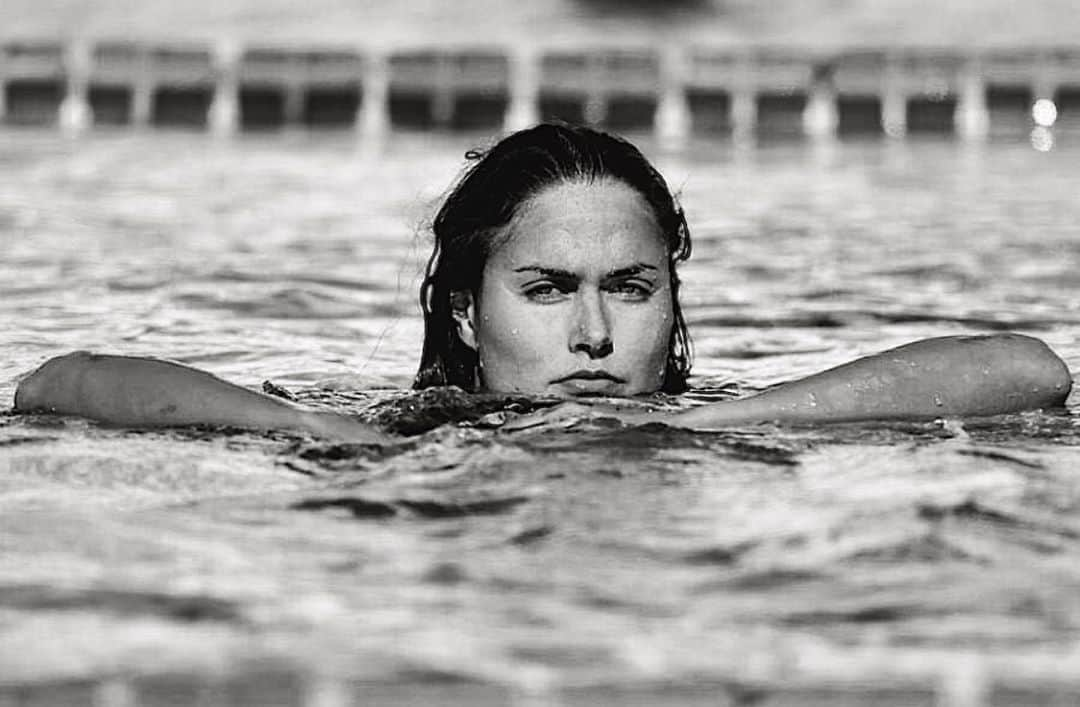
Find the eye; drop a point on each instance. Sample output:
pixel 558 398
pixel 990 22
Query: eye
pixel 632 290
pixel 545 292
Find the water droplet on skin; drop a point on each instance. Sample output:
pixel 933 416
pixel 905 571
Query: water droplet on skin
pixel 937 401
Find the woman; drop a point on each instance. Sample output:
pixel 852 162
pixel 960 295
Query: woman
pixel 554 274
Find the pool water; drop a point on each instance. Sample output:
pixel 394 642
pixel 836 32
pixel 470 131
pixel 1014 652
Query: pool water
pixel 575 563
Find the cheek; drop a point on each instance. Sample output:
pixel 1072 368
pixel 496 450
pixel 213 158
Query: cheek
pixel 652 323
pixel 647 334
pixel 511 336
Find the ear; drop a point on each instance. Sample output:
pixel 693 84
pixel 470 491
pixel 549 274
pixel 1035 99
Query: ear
pixel 464 310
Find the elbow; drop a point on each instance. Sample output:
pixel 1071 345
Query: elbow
pixel 53 386
pixel 1057 377
pixel 1043 371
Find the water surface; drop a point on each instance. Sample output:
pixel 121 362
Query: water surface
pixel 925 560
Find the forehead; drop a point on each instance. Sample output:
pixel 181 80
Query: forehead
pixel 583 226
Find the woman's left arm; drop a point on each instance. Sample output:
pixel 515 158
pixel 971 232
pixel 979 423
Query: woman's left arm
pixel 950 376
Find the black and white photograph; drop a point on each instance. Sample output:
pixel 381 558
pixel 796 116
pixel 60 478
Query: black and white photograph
pixel 542 354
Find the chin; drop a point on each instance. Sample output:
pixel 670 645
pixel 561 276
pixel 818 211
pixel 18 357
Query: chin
pixel 571 390
pixel 575 389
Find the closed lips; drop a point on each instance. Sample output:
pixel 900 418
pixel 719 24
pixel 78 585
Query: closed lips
pixel 589 375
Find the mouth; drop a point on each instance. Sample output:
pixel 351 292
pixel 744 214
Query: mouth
pixel 586 381
pixel 590 375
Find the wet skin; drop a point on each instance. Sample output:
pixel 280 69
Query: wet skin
pixel 577 300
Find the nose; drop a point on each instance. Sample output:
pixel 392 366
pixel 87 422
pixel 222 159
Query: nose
pixel 590 332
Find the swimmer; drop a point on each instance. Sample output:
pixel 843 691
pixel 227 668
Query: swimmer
pixel 554 273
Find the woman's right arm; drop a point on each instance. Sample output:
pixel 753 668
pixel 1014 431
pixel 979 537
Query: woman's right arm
pixel 143 392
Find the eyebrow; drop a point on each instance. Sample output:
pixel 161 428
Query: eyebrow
pixel 635 269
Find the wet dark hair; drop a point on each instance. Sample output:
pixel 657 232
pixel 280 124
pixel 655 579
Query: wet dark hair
pixel 486 198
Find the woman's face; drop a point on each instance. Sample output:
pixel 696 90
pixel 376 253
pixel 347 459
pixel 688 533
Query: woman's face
pixel 577 300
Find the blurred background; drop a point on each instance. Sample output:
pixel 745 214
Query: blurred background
pixel 958 23
pixel 715 67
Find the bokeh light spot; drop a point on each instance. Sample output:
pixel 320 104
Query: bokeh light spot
pixel 1044 112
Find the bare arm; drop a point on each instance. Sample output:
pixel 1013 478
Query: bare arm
pixel 948 376
pixel 144 392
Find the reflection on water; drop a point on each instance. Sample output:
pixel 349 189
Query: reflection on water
pixel 1042 139
pixel 572 563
